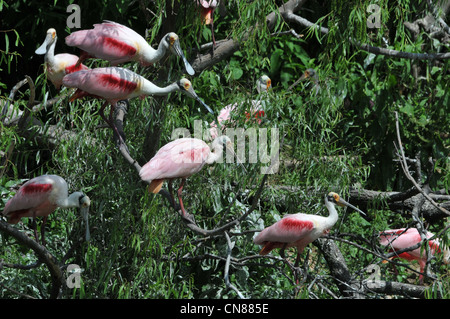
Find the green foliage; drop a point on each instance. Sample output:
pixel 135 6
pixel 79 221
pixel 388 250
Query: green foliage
pixel 335 133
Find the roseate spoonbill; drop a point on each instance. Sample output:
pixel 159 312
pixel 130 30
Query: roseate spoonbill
pixel 263 84
pixel 119 44
pixel 298 230
pixel 115 83
pixel 397 239
pixel 57 66
pixel 181 158
pixel 41 196
pixel 207 14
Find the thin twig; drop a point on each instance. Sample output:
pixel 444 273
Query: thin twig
pixel 406 171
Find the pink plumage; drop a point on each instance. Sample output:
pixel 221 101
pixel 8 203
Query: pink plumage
pixel 111 83
pixel 298 230
pixel 181 158
pixel 117 43
pixel 40 196
pixel 398 239
pixel 109 41
pixel 37 197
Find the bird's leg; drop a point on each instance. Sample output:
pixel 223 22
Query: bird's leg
pixel 35 228
pixel 83 56
pixel 111 124
pixel 186 216
pixel 282 251
pixel 171 193
pixel 44 222
pixel 212 33
pixel 180 189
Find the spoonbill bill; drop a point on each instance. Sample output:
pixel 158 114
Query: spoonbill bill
pixel 263 84
pixel 117 43
pixel 399 239
pixel 181 158
pixel 40 196
pixel 298 230
pixel 57 66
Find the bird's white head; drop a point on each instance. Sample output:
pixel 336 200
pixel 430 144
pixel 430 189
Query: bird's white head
pixel 185 86
pixel 263 84
pixel 83 204
pixel 50 38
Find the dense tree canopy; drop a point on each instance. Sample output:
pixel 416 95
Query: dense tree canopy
pixel 371 124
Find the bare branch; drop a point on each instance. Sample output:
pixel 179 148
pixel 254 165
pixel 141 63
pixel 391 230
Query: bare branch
pixel 41 252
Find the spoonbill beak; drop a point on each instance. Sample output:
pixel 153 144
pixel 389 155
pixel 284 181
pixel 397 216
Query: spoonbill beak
pixel 187 88
pixel 335 198
pixel 49 38
pixel 176 49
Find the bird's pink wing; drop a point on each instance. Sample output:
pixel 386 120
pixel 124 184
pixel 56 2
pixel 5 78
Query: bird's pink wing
pixel 110 83
pixel 32 194
pixel 289 229
pixel 180 158
pixel 400 238
pixel 110 41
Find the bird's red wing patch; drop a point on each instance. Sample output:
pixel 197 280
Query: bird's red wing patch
pixel 296 224
pixel 113 81
pixel 75 68
pixel 36 188
pixel 406 256
pixel 124 48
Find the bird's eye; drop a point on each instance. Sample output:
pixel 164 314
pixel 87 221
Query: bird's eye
pixel 336 197
pixel 172 40
pixel 187 86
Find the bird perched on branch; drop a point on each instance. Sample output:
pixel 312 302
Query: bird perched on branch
pixel 40 196
pixel 181 158
pixel 117 43
pixel 207 8
pixel 115 84
pixel 57 66
pixel 402 238
pixel 298 230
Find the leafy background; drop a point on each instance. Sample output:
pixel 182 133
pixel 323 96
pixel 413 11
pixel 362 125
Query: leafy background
pixel 336 140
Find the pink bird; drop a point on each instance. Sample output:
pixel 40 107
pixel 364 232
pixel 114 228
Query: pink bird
pixel 181 158
pixel 207 14
pixel 119 44
pixel 57 66
pixel 263 84
pixel 298 230
pixel 115 84
pixel 41 196
pixel 397 239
